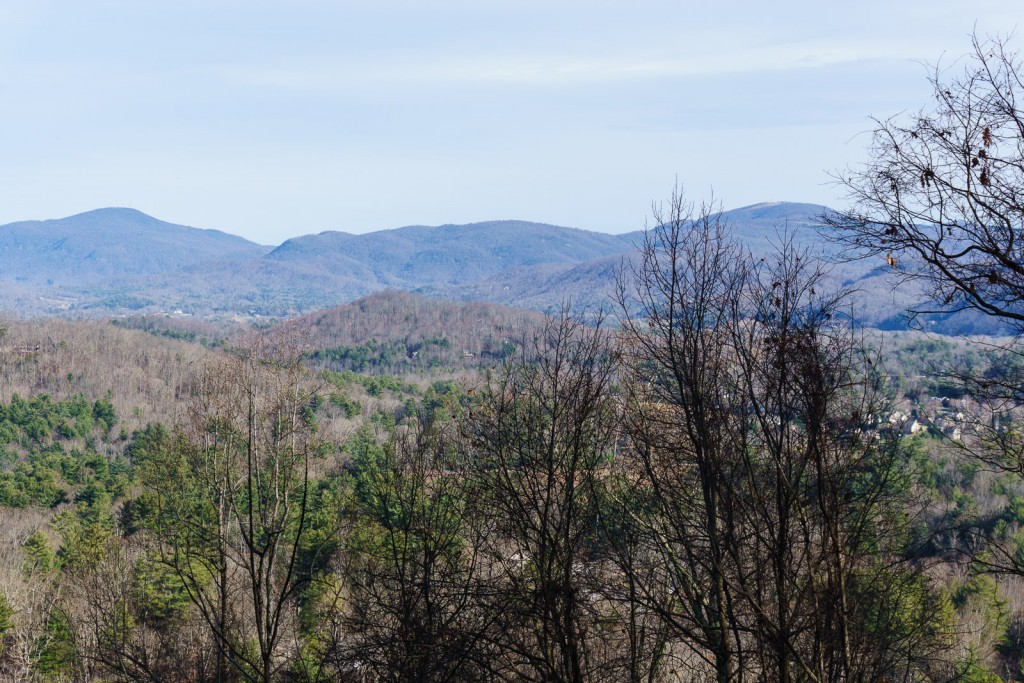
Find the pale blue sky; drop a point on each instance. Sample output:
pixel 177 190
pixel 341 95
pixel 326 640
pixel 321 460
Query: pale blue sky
pixel 272 119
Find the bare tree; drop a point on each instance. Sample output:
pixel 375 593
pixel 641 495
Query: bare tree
pixel 769 521
pixel 233 492
pixel 825 507
pixel 131 622
pixel 676 319
pixel 33 591
pixel 540 438
pixel 941 197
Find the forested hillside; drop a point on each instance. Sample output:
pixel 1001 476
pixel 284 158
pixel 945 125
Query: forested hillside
pixel 701 464
pixel 742 488
pixel 397 332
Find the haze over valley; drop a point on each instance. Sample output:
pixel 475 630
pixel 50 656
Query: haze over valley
pixel 119 261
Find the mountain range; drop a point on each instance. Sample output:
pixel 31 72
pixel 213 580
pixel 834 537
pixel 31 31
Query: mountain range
pixel 118 261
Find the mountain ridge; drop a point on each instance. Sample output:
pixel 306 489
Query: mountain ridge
pixel 118 260
pixel 109 242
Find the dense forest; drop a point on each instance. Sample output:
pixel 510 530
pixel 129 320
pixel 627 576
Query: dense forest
pixel 722 478
pixel 726 489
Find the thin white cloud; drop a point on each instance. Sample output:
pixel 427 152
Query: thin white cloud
pixel 547 70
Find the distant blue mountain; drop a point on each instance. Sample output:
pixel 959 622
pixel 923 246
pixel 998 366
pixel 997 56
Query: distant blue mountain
pixel 451 254
pixel 760 226
pixel 112 261
pixel 110 242
pixel 589 280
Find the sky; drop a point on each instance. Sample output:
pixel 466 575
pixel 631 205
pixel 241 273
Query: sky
pixel 274 119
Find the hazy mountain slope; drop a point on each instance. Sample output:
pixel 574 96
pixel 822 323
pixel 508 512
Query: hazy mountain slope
pixel 122 261
pixel 760 226
pixel 110 242
pixel 877 299
pixel 257 286
pixel 590 284
pixel 414 256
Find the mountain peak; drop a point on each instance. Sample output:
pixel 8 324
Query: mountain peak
pixel 114 211
pixel 761 205
pixel 109 214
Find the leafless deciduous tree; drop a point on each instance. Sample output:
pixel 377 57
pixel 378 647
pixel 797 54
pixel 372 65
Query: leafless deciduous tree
pixel 540 438
pixel 941 198
pixel 32 591
pixel 124 626
pixel 825 510
pixel 677 323
pixel 233 491
pixel 766 521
